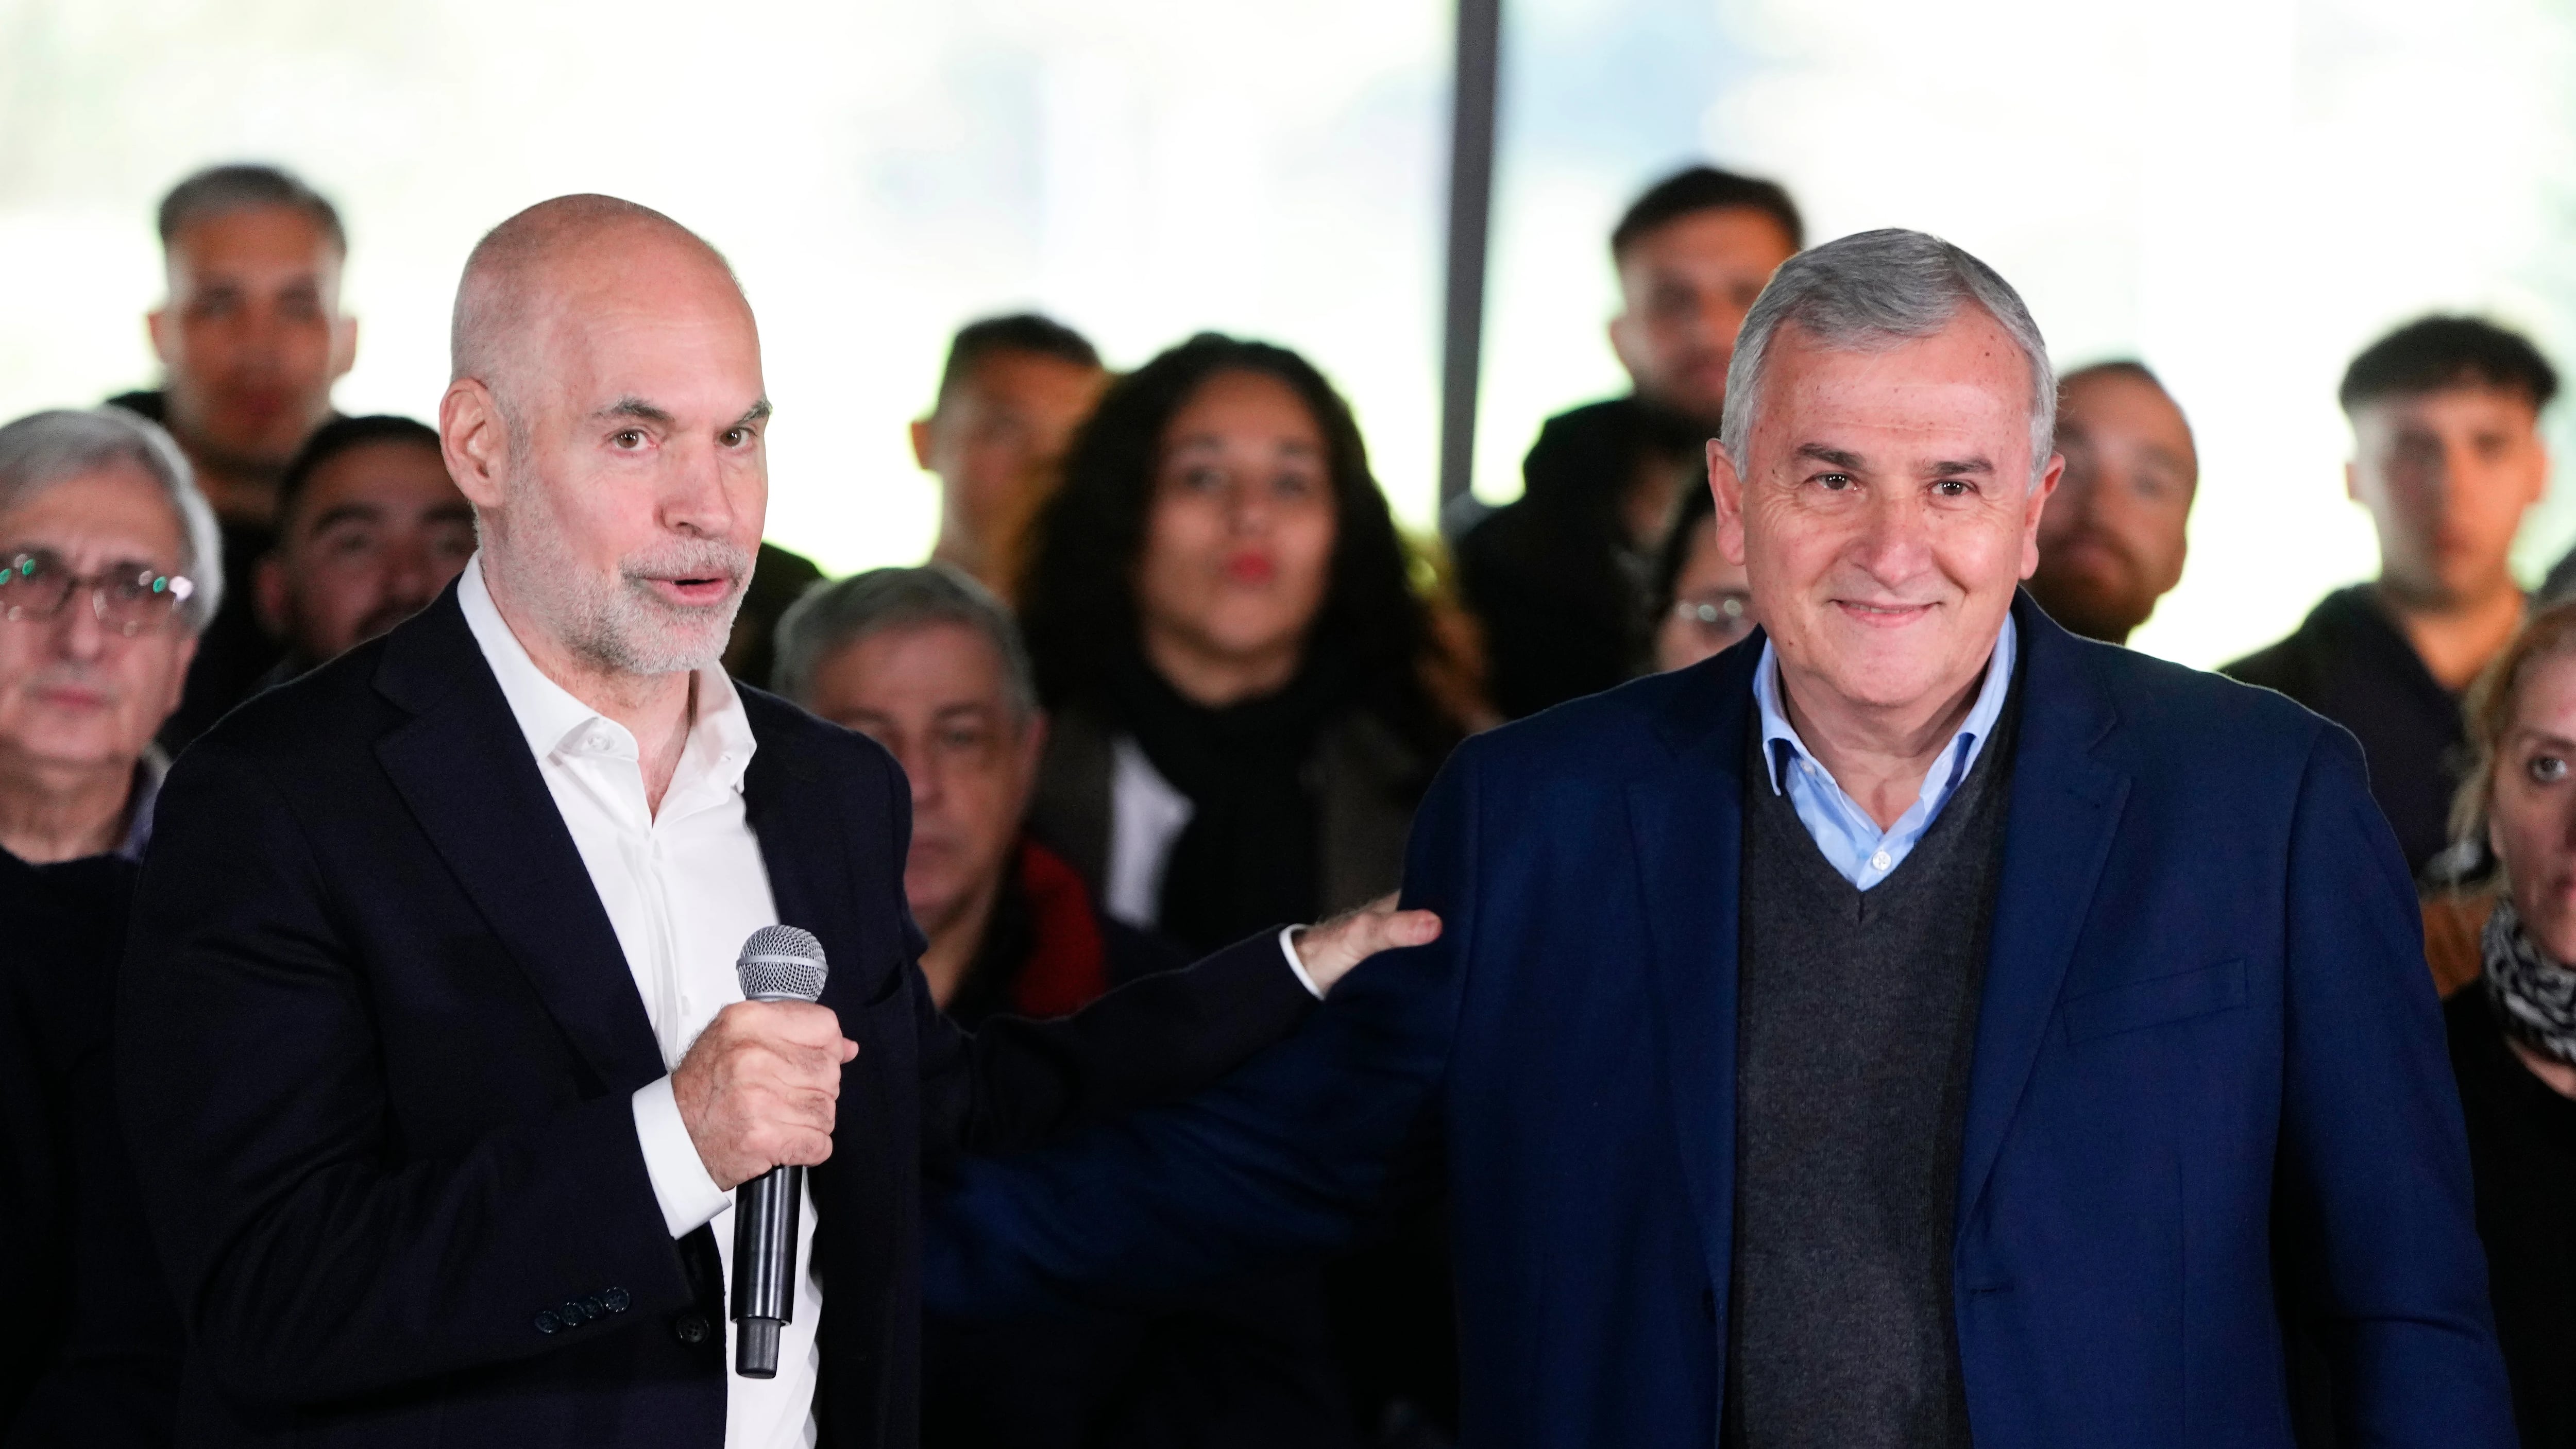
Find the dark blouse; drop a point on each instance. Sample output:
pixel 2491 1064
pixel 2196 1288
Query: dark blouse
pixel 2522 1154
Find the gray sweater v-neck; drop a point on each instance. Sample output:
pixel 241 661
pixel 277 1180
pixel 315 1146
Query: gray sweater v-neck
pixel 1857 1014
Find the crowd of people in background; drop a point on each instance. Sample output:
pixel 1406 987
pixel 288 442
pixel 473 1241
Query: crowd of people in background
pixel 1171 675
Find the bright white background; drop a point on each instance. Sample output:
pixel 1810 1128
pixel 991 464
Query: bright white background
pixel 2240 191
pixel 878 172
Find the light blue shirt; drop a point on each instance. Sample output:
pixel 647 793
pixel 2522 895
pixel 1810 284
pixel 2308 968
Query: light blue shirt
pixel 1852 842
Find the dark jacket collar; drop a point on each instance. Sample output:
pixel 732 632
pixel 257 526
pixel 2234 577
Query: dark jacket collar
pixel 462 764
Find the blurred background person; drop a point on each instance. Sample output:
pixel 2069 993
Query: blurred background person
pixel 107 575
pixel 251 340
pixel 929 664
pixel 2112 540
pixel 369 529
pixel 2447 456
pixel 1233 659
pixel 2512 1012
pixel 1010 395
pixel 779 577
pixel 1703 602
pixel 101 600
pixel 1559 577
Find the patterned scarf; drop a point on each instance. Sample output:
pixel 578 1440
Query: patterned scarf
pixel 2535 997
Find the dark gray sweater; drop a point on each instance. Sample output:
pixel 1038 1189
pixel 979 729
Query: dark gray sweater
pixel 1857 1014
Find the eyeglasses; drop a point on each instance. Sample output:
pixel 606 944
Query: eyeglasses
pixel 128 598
pixel 1725 617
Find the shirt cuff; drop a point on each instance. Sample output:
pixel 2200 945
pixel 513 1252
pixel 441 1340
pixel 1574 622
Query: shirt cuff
pixel 1287 948
pixel 690 1199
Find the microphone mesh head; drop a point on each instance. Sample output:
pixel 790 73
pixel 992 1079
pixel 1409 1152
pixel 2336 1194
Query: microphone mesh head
pixel 781 963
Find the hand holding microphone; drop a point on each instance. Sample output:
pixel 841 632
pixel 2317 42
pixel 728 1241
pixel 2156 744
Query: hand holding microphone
pixel 757 1093
pixel 758 1086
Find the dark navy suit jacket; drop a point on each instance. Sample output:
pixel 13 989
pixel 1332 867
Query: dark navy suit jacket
pixel 2206 1025
pixel 377 1044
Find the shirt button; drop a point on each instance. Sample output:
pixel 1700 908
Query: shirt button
pixel 1879 861
pixel 548 1323
pixel 690 1328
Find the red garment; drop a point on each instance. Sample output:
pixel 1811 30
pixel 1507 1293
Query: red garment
pixel 1069 965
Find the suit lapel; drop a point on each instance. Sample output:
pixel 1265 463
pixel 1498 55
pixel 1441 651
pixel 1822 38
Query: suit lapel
pixel 2066 803
pixel 1686 822
pixel 463 766
pixel 809 868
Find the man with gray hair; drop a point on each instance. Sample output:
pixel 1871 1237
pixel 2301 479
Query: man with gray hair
pixel 107 577
pixel 109 570
pixel 926 662
pixel 1915 1026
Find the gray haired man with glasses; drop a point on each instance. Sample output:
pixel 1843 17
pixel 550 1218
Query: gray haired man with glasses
pixel 108 572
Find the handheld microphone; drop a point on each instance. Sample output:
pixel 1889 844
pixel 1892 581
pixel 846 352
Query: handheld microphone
pixel 778 963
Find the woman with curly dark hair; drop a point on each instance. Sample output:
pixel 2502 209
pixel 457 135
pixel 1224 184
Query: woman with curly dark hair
pixel 1238 671
pixel 1231 649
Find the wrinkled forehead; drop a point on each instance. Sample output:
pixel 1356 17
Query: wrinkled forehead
pixel 671 334
pixel 2466 406
pixel 389 470
pixel 921 666
pixel 111 513
pixel 2104 406
pixel 254 242
pixel 1967 384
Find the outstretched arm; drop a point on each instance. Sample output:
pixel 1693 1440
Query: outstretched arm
pixel 1287 1156
pixel 2373 1158
pixel 1017 1083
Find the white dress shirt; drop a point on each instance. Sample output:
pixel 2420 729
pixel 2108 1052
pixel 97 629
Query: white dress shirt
pixel 1147 814
pixel 682 888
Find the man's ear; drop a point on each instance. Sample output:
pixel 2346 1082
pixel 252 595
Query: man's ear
pixel 921 440
pixel 268 593
pixel 344 345
pixel 1728 489
pixel 2352 481
pixel 1625 346
pixel 176 686
pixel 1032 747
pixel 474 440
pixel 160 327
pixel 2033 506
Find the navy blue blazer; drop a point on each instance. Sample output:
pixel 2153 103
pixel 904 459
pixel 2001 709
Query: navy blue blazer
pixel 2205 1012
pixel 377 1043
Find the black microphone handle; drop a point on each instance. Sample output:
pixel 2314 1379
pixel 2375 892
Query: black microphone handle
pixel 764 1266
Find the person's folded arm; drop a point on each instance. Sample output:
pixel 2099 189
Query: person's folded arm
pixel 2374 1158
pixel 312 1256
pixel 1289 1156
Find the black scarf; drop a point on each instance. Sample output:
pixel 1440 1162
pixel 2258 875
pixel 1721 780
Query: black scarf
pixel 1249 856
pixel 2534 997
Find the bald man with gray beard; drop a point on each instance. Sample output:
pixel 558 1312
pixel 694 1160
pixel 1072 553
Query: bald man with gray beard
pixel 434 1055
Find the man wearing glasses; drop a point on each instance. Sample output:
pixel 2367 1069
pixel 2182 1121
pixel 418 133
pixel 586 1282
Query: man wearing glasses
pixel 108 574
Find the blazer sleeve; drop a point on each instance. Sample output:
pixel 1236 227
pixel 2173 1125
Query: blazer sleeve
pixel 311 1257
pixel 2374 1159
pixel 1016 1082
pixel 1288 1156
